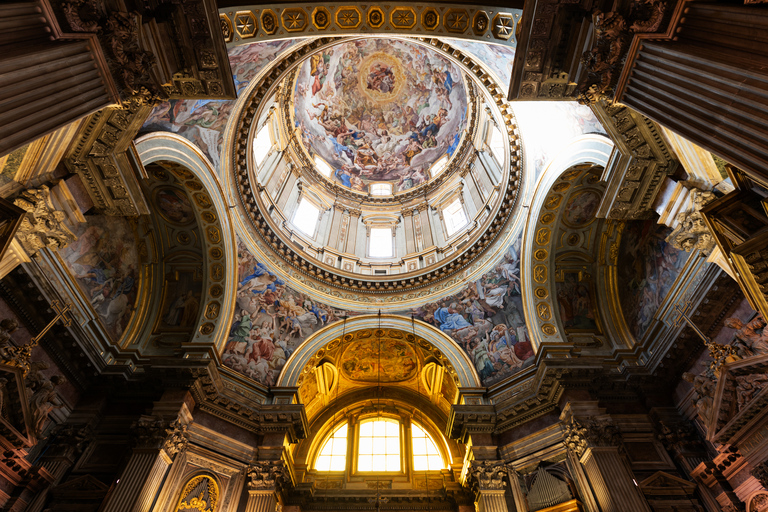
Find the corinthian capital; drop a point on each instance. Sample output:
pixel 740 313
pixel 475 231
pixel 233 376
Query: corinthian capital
pixel 592 432
pixel 267 475
pixel 151 432
pixel 488 475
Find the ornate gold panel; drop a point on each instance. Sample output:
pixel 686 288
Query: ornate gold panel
pixel 294 19
pixel 321 18
pixel 456 21
pixel 226 28
pixel 430 18
pixel 503 25
pixel 348 17
pixel 245 24
pixel 480 23
pixel 375 17
pixel 269 21
pixel 549 329
pixel 403 17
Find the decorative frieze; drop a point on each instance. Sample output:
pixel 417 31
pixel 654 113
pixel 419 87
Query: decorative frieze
pixel 43 225
pixel 638 164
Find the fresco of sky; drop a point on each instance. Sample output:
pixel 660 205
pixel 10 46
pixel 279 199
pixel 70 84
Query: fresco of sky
pixel 496 57
pixel 203 121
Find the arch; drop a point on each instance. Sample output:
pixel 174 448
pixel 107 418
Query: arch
pixel 465 370
pixel 163 146
pixel 587 149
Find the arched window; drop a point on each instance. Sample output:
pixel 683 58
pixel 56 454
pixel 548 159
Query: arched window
pixel 426 456
pixel 333 454
pixel 306 217
pixel 379 445
pixel 439 166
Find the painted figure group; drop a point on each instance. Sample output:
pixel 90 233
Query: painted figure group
pixel 369 139
pixel 486 319
pixel 272 320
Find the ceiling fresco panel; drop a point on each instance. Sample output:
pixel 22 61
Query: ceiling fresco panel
pixel 380 110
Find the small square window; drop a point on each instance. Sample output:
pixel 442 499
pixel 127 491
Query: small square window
pixel 497 145
pixel 380 243
pixel 439 166
pixel 306 216
pixel 454 216
pixel 261 145
pixel 381 189
pixel 323 167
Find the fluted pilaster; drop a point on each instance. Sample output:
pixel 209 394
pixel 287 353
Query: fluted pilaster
pixel 611 480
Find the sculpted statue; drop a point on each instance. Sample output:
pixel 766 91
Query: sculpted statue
pixel 43 225
pixel 705 392
pixel 750 339
pixel 7 327
pixel 44 399
pixel 692 231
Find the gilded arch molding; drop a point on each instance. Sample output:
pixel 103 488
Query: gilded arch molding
pixel 246 24
pixel 218 298
pixel 538 255
pixel 465 374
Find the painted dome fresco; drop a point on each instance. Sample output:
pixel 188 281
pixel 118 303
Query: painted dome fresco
pixel 380 110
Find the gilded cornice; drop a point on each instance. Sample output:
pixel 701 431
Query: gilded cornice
pixel 247 24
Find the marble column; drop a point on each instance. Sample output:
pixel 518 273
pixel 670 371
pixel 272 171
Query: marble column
pixel 521 503
pixel 488 479
pixel 158 441
pixel 354 223
pixel 265 478
pixel 611 480
pixel 260 500
pixel 410 239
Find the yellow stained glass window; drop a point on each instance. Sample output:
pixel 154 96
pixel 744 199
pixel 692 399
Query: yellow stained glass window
pixel 379 448
pixel 333 455
pixel 426 456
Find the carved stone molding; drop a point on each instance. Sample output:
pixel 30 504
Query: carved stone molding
pixel 760 472
pixel 638 164
pixel 135 46
pixel 213 396
pixel 99 156
pixel 43 225
pixel 267 475
pixel 692 231
pixel 151 432
pixel 591 432
pixel 466 420
pixel 487 475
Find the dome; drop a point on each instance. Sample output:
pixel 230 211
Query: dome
pixel 379 164
pixel 380 110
